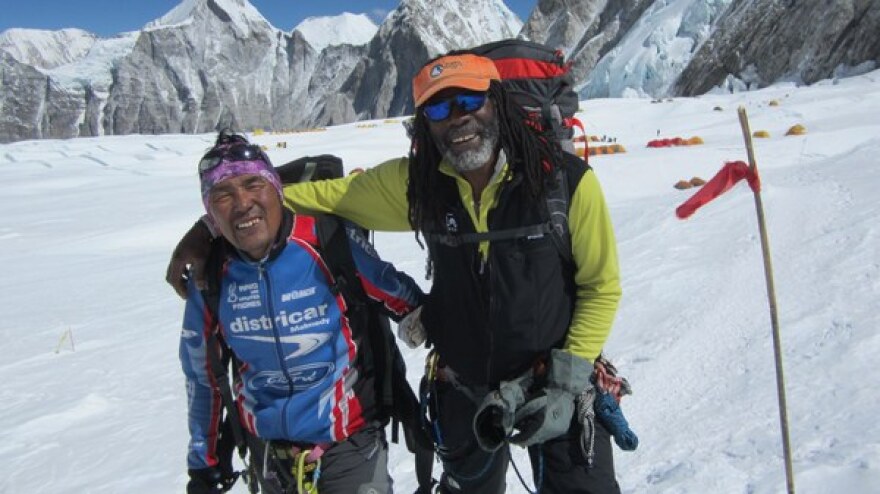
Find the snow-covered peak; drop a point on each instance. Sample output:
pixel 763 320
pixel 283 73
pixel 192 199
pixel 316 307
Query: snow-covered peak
pixel 240 13
pixel 452 24
pixel 346 28
pixel 46 49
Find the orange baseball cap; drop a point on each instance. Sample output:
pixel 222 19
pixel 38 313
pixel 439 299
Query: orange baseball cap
pixel 465 71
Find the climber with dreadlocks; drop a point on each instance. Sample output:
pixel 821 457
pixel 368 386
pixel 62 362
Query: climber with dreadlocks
pixel 515 324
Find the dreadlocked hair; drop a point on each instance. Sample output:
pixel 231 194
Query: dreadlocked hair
pixel 528 154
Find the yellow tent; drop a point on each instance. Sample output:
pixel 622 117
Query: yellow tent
pixel 796 130
pixel 763 134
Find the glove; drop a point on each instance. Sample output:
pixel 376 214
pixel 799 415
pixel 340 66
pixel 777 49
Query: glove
pixel 493 422
pixel 193 251
pixel 410 329
pixel 209 481
pixel 548 414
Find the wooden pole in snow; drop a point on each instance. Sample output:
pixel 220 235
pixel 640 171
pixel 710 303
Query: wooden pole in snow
pixel 771 296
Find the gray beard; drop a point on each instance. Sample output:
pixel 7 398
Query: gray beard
pixel 474 159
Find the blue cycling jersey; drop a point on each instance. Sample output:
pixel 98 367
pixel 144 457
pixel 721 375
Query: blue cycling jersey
pixel 288 330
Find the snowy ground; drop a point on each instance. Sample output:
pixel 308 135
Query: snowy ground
pixel 88 225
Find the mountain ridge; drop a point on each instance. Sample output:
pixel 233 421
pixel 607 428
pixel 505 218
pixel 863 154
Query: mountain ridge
pixel 208 64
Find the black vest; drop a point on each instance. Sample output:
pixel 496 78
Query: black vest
pixel 490 321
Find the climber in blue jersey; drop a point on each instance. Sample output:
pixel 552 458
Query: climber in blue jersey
pixel 306 386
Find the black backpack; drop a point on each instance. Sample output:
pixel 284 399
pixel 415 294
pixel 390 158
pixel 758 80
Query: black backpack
pixel 395 398
pixel 539 80
pixel 309 168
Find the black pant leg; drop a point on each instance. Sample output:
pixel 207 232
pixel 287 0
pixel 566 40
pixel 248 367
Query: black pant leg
pixel 466 467
pixel 560 467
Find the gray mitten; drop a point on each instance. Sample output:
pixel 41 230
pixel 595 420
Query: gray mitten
pixel 495 417
pixel 548 413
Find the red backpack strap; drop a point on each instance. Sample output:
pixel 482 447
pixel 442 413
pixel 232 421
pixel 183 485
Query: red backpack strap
pixel 304 229
pixel 526 68
pixel 576 122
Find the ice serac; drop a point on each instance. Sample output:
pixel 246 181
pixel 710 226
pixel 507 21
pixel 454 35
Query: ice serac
pixel 585 30
pixel 648 59
pixel 759 42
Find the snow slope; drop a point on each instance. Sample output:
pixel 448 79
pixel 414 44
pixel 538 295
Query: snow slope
pixel 88 226
pixel 46 49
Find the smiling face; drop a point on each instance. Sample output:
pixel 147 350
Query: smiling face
pixel 247 210
pixel 468 140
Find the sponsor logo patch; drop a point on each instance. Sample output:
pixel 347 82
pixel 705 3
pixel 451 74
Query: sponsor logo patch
pixel 299 378
pixel 243 296
pixel 298 294
pixel 294 321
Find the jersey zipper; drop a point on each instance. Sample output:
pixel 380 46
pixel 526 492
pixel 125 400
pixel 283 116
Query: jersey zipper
pixel 279 351
pixel 488 265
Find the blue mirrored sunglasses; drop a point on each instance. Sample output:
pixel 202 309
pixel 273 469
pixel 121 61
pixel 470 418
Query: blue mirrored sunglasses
pixel 467 102
pixel 235 152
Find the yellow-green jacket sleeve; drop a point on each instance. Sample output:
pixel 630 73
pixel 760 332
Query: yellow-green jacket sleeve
pixel 374 199
pixel 597 274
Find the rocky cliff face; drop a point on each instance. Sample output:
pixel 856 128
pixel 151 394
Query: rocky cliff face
pixel 206 73
pixel 18 114
pixel 759 42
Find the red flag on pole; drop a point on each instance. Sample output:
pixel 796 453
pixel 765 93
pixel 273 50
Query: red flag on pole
pixel 727 177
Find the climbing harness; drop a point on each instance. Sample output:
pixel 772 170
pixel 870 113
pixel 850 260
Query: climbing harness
pixel 299 466
pixel 428 400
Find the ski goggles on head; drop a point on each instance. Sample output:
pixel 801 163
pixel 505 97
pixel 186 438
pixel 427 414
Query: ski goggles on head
pixel 466 102
pixel 234 152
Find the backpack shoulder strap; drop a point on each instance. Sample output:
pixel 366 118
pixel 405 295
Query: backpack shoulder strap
pixel 393 393
pixel 220 362
pixel 555 223
pixel 558 198
pixel 336 251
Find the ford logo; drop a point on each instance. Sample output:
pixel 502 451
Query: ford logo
pixel 300 378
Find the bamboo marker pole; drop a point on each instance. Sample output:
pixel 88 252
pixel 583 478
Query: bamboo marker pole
pixel 771 296
pixel 66 336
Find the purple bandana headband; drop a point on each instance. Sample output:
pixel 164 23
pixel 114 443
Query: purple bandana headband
pixel 230 169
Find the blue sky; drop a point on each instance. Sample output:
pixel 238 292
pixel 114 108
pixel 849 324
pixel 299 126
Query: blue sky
pixel 109 17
